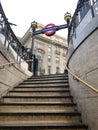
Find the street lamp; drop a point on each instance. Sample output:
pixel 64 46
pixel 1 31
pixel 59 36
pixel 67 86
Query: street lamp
pixel 33 26
pixel 67 17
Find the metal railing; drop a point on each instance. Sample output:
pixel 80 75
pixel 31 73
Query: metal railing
pixel 82 81
pixel 83 7
pixel 10 40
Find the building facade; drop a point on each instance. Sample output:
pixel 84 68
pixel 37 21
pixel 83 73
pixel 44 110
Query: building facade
pixel 50 51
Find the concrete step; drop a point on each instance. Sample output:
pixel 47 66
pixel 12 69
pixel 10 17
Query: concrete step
pixel 24 106
pixel 46 125
pixel 40 93
pixel 64 99
pixel 40 116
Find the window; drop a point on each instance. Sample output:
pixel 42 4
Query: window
pixel 57 70
pixel 49 49
pixel 57 51
pixel 49 69
pixel 40 46
pixel 49 58
pixel 64 52
pixel 39 56
pixel 57 60
pixel 40 61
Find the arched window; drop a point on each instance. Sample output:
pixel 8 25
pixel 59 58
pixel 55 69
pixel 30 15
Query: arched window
pixel 57 60
pixel 49 58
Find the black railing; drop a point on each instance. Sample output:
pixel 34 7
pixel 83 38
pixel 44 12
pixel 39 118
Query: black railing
pixel 83 6
pixel 10 40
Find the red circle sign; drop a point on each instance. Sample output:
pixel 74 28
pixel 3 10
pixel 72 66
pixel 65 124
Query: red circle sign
pixel 50 32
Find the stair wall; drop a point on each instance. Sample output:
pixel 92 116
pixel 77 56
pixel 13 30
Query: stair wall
pixel 84 63
pixel 10 76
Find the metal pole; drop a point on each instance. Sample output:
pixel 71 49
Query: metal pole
pixel 33 26
pixel 32 49
pixel 32 45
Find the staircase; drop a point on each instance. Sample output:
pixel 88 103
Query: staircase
pixel 40 103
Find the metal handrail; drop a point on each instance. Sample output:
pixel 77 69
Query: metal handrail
pixel 85 83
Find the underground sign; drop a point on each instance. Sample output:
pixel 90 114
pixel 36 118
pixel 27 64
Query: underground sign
pixel 49 29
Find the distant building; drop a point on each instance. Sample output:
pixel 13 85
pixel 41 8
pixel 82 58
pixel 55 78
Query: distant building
pixel 50 51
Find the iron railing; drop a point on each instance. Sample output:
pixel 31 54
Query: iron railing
pixel 10 40
pixel 83 6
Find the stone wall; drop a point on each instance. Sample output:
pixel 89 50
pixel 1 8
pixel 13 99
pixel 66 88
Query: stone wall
pixel 10 76
pixel 84 63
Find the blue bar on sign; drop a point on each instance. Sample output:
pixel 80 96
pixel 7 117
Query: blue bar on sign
pixel 49 29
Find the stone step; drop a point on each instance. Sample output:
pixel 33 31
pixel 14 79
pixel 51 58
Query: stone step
pixel 49 79
pixel 64 99
pixel 45 82
pixel 46 125
pixel 40 103
pixel 40 116
pixel 24 106
pixel 46 85
pixel 50 76
pixel 40 89
pixel 40 93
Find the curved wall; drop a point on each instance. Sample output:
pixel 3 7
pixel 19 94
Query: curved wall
pixel 84 63
pixel 10 76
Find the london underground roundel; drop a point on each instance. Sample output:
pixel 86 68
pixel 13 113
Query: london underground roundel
pixel 49 29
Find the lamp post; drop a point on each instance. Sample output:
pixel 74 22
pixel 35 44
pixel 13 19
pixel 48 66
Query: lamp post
pixel 33 26
pixel 67 18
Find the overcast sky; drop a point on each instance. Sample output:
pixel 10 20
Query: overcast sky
pixel 23 12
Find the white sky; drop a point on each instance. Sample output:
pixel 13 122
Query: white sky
pixel 23 12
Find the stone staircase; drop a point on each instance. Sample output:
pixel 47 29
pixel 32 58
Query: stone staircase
pixel 40 103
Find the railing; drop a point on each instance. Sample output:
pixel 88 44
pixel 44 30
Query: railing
pixel 78 79
pixel 83 7
pixel 10 41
